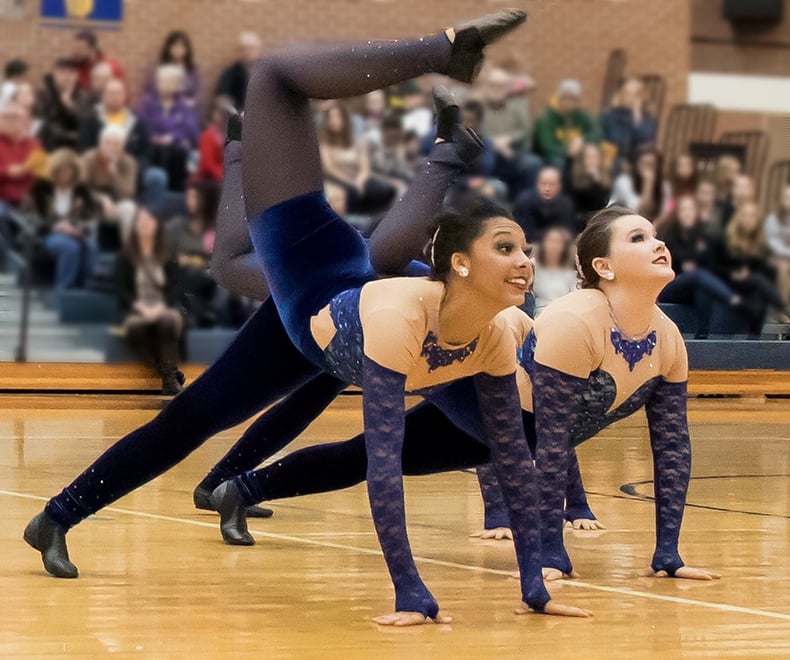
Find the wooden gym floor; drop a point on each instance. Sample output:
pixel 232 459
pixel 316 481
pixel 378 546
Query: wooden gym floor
pixel 157 581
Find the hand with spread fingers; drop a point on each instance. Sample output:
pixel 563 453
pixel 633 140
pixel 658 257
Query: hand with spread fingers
pixel 554 574
pixel 556 609
pixel 496 533
pixel 402 619
pixel 586 524
pixel 684 572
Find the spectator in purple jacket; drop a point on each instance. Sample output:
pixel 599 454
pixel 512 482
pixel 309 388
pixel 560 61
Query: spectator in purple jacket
pixel 173 126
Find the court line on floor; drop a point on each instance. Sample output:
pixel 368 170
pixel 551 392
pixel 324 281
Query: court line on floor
pixel 622 591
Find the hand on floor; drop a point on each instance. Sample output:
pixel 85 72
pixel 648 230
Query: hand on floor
pixel 556 609
pixel 586 524
pixel 401 619
pixel 497 534
pixel 684 572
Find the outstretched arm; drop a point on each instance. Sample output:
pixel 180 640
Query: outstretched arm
pixel 558 402
pixel 669 439
pixel 496 522
pixel 384 412
pixel 501 410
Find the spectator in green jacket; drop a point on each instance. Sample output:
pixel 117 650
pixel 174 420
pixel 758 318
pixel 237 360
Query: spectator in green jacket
pixel 564 127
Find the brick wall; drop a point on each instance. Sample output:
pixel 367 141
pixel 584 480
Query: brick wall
pixel 564 38
pixel 719 47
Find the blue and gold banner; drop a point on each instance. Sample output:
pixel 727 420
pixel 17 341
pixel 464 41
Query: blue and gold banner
pixel 82 12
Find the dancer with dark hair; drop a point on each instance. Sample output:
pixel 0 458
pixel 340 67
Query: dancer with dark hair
pixel 327 311
pixel 231 390
pixel 574 395
pixel 389 336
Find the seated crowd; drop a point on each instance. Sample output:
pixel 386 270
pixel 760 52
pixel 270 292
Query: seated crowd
pixel 82 154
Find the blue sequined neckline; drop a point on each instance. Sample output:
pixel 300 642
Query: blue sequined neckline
pixel 436 356
pixel 632 351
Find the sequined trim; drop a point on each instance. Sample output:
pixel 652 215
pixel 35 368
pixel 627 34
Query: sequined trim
pixel 437 357
pixel 526 353
pixel 344 355
pixel 599 395
pixel 632 351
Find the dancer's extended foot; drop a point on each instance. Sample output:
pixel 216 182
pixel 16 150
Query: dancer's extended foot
pixel 202 499
pixel 471 37
pixel 49 538
pixel 232 514
pixel 449 128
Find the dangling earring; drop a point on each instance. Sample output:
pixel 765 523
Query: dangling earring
pixel 610 276
pixel 463 271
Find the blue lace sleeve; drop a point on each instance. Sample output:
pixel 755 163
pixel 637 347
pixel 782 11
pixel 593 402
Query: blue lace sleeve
pixel 576 506
pixel 504 428
pixel 384 412
pixel 558 400
pixel 494 507
pixel 493 503
pixel 669 439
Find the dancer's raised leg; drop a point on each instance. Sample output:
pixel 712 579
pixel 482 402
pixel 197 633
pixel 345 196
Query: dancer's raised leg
pixel 398 238
pixel 299 232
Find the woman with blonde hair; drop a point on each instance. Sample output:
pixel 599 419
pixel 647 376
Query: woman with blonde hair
pixel 741 259
pixel 66 209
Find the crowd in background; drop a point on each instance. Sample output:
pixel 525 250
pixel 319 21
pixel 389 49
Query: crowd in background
pixel 81 154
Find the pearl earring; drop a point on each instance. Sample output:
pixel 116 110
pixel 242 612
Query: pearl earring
pixel 610 276
pixel 463 271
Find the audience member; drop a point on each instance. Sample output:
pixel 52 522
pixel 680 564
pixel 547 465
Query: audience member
pixel 742 192
pixel 65 207
pixel 367 126
pixel 727 168
pixel 62 103
pixel 88 54
pixel 628 124
pixel 111 176
pixel 388 156
pixel 683 178
pixel 694 283
pixel 564 127
pixel 21 156
pixel 347 164
pixel 777 235
pixel 177 50
pixel 173 126
pixel 506 123
pixel 472 115
pixel 417 116
pixel 25 95
pixel 555 269
pixel 114 111
pixel 212 144
pixel 233 80
pixel 412 149
pixel 146 279
pixel 642 186
pixel 15 72
pixel 741 259
pixel 101 74
pixel 590 182
pixel 709 209
pixel 191 237
pixel 545 207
